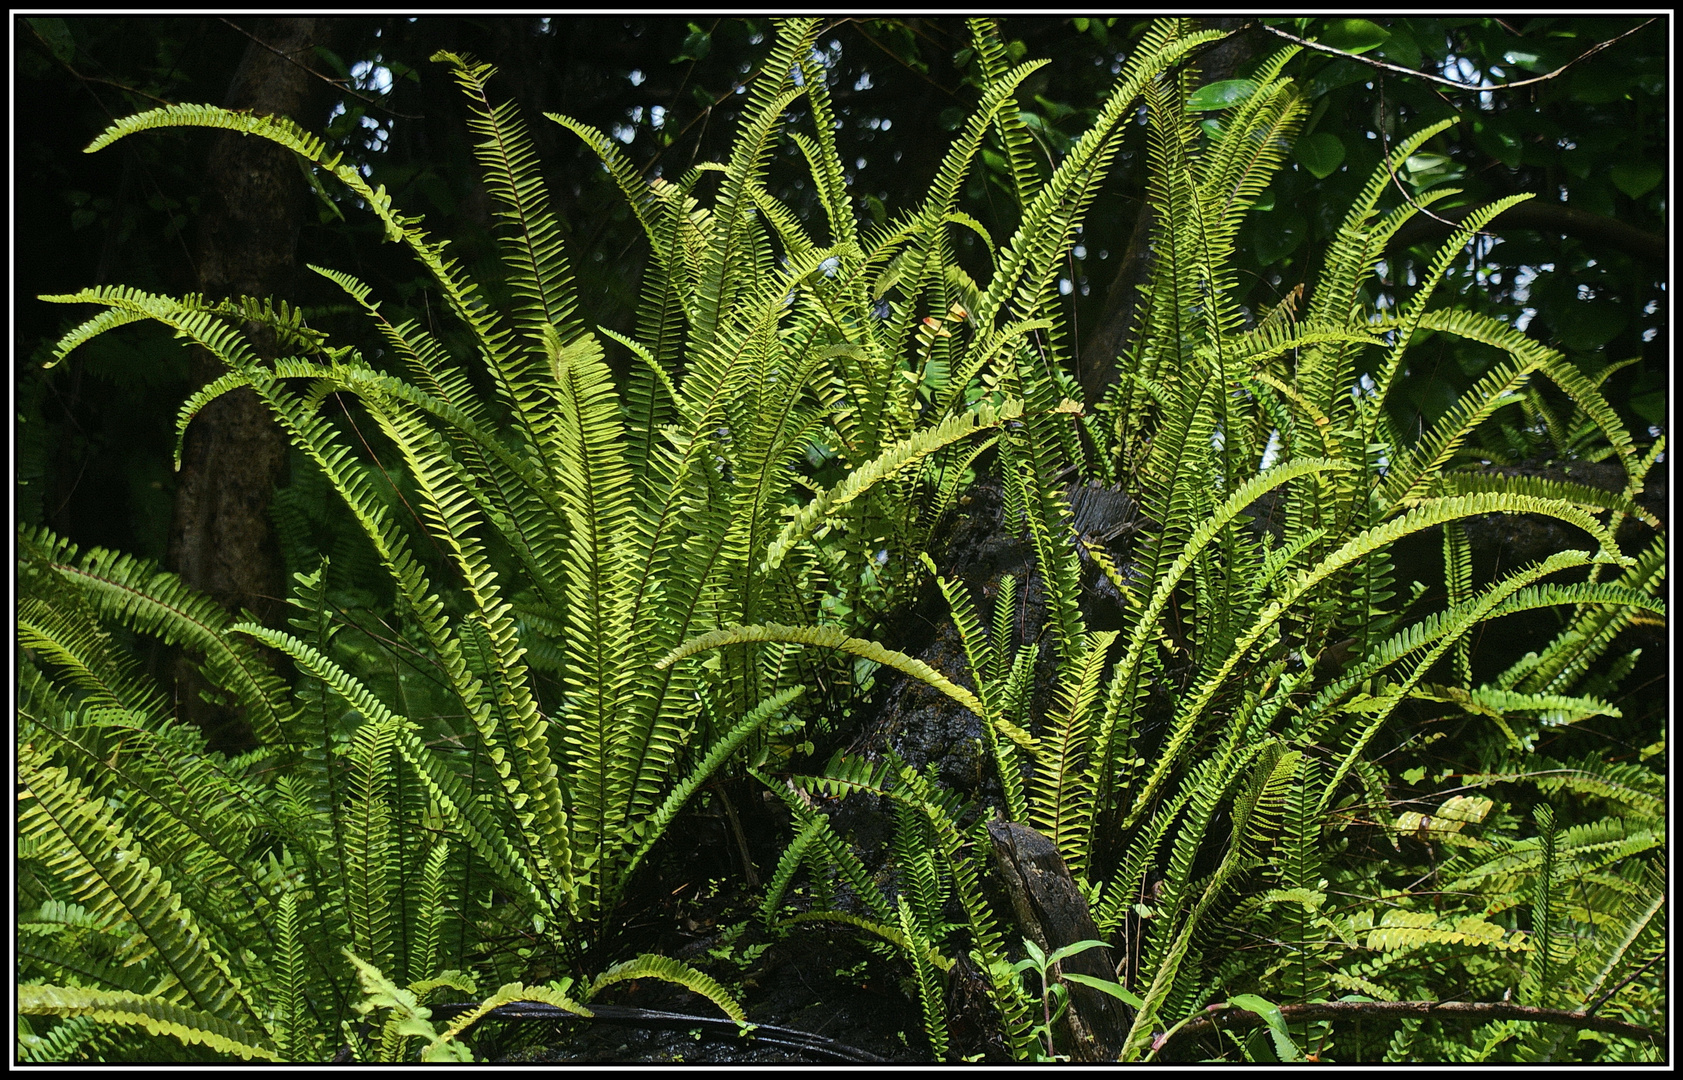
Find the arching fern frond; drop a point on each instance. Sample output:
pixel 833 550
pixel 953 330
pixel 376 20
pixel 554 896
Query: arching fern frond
pixel 650 966
pixel 896 458
pixel 160 1017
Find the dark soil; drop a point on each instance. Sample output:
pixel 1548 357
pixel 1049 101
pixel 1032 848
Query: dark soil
pixel 811 978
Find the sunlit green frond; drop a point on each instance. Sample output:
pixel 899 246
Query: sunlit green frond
pixel 891 461
pixel 137 594
pixel 114 878
pixel 649 966
pixel 538 274
pixel 160 1017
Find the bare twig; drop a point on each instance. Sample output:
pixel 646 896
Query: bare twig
pixel 94 78
pixel 1551 217
pixel 1385 156
pixel 859 26
pixel 1626 981
pixel 1318 47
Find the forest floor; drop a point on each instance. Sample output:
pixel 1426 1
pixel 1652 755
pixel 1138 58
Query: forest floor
pixel 813 978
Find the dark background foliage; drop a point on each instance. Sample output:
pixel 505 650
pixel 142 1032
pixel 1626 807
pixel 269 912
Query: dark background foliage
pixel 1583 268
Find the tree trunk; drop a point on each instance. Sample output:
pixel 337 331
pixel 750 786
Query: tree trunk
pixel 221 540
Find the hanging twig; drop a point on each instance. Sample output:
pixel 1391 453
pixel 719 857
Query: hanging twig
pixel 1626 981
pixel 1385 156
pixel 859 27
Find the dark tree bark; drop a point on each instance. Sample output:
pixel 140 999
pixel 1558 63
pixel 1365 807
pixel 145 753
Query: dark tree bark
pixel 221 540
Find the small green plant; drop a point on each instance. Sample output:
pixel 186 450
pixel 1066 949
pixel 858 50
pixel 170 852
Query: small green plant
pixel 1054 994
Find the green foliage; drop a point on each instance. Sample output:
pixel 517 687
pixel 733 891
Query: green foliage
pixel 608 590
pixel 1054 995
pixel 1268 749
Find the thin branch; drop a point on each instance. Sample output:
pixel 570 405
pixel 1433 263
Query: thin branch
pixel 859 27
pixel 335 83
pixel 1626 981
pixel 1220 1015
pixel 1586 54
pixel 94 78
pixel 133 158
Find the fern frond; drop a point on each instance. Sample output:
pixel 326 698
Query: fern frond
pixel 1019 145
pixel 1466 615
pixel 508 994
pixel 1126 684
pixel 895 935
pixel 891 461
pixel 1427 514
pixel 830 638
pixel 443 785
pixel 66 636
pixel 930 989
pixel 1048 220
pixel 1402 931
pixel 369 854
pixel 788 864
pixel 651 828
pixel 1265 788
pixel 1547 488
pixel 538 273
pixel 157 1016
pixel 650 966
pixel 286 1004
pixel 1633 789
pixel 139 595
pixel 112 875
pixel 816 825
pixel 1061 802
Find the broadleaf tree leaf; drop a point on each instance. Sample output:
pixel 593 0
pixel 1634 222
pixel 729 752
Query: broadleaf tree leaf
pixel 1353 35
pixel 1115 990
pixel 1321 153
pixel 1220 95
pixel 1401 49
pixel 1500 141
pixel 1279 234
pixel 1588 325
pixel 1270 1013
pixel 1636 180
pixel 57 36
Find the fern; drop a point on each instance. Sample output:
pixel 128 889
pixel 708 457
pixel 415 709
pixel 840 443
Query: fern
pixel 155 1015
pixel 930 989
pixel 625 587
pixel 90 847
pixel 666 969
